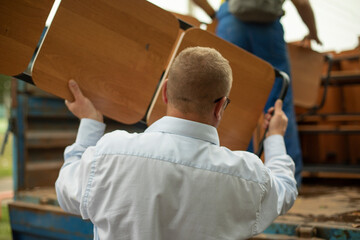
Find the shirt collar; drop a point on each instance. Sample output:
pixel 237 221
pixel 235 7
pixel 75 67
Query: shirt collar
pixel 186 128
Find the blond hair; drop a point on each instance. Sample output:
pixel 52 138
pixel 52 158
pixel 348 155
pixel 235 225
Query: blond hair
pixel 197 77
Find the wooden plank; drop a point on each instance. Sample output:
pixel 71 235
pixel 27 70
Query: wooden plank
pixel 306 70
pixel 24 206
pixel 339 175
pixel 329 128
pixel 21 25
pixel 331 118
pixel 41 195
pixel 345 74
pixel 253 79
pixel 116 50
pixel 44 166
pixel 49 138
pixel 339 78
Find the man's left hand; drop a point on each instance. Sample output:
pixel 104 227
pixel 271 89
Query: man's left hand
pixel 82 107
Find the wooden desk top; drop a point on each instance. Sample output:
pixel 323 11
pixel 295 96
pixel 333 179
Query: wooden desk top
pixel 116 50
pixel 21 25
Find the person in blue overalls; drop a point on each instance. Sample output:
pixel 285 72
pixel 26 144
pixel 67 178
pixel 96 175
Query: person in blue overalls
pixel 266 40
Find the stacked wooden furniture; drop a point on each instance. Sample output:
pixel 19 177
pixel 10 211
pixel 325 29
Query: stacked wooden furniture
pixel 119 52
pixel 329 116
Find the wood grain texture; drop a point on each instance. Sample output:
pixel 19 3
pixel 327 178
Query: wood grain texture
pixel 306 71
pixel 21 25
pixel 253 79
pixel 116 50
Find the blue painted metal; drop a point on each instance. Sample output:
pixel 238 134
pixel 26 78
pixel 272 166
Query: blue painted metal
pixel 19 139
pixel 15 155
pixel 47 107
pixel 281 228
pixel 27 223
pixel 38 221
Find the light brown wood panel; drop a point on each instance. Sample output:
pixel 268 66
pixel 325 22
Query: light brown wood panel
pixel 349 60
pixel 306 71
pixel 334 148
pixel 253 79
pixel 334 100
pixel 21 25
pixel 324 148
pixel 310 144
pixel 116 50
pixel 212 26
pixel 352 98
pixel 354 151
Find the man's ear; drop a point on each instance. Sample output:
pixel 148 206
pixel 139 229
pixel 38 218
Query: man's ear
pixel 219 110
pixel 164 92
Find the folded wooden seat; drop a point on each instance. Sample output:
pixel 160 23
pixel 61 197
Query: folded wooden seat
pixel 119 52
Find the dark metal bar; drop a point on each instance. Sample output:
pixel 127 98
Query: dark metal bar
pixel 285 85
pixel 343 80
pixel 25 77
pixel 184 25
pixel 330 61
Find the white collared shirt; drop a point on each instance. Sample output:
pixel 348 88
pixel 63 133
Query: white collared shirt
pixel 173 182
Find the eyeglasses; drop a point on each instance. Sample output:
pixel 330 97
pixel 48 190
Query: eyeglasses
pixel 227 102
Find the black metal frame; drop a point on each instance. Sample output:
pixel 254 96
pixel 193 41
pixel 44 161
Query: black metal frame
pixel 285 86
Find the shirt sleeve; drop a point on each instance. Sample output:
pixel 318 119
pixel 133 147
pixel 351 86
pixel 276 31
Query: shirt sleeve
pixel 74 180
pixel 280 191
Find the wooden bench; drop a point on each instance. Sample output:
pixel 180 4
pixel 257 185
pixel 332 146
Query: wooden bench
pixel 253 79
pixel 21 25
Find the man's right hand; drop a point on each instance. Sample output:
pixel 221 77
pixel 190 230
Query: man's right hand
pixel 82 107
pixel 277 122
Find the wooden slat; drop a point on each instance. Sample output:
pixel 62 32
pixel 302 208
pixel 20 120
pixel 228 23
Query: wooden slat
pixel 21 25
pixel 331 118
pixel 116 50
pixel 329 128
pixel 44 166
pixel 253 79
pixel 49 138
pixel 345 74
pixel 34 207
pixel 343 77
pixel 38 194
pixel 322 174
pixel 306 70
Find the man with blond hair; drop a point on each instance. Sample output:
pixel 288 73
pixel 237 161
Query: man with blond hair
pixel 174 181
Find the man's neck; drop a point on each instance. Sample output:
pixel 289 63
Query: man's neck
pixel 173 112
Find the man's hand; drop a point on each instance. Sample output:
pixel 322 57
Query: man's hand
pixel 306 42
pixel 82 107
pixel 276 120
